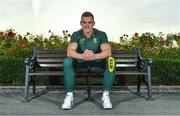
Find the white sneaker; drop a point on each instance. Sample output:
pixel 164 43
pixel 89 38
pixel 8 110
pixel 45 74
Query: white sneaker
pixel 106 101
pixel 68 102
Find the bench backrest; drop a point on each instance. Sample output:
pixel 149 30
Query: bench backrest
pixel 55 58
pixel 50 58
pixel 125 58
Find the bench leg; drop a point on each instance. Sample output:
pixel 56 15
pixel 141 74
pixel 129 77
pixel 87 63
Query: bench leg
pixel 149 83
pixel 26 88
pixel 89 98
pixel 138 84
pixel 34 84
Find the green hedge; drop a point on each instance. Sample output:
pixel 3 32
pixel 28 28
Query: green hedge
pixel 164 72
pixel 11 71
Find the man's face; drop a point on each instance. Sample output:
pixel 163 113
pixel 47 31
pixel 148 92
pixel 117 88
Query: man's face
pixel 87 24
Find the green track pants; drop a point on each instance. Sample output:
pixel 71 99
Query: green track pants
pixel 70 69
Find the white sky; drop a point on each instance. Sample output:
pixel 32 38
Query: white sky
pixel 115 17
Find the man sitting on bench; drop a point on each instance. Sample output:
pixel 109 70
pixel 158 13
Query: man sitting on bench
pixel 88 51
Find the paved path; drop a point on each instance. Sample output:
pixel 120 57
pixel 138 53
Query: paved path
pixel 124 103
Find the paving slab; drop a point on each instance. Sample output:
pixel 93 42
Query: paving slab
pixel 124 103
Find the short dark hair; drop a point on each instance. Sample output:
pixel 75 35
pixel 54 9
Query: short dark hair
pixel 87 14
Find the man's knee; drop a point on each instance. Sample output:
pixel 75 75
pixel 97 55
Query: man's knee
pixel 68 62
pixel 111 64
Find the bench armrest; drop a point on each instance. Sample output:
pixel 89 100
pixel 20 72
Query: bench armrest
pixel 30 62
pixel 144 63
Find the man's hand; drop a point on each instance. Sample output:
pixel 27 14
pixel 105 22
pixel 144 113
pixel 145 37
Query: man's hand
pixel 88 55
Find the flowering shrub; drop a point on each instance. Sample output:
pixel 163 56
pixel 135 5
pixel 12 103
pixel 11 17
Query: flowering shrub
pixel 16 45
pixel 13 44
pixel 154 46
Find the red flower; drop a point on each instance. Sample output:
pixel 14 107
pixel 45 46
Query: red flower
pixel 1 33
pixel 11 34
pixel 125 35
pixel 28 33
pixel 30 43
pixel 136 34
pixel 24 38
pixel 162 42
pixel 69 35
pixel 22 44
pixel 19 36
pixel 147 42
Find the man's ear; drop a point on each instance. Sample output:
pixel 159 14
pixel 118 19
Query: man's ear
pixel 80 23
pixel 94 23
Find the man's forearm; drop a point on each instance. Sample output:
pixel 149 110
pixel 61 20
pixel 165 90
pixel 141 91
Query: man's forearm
pixel 89 55
pixel 103 54
pixel 74 54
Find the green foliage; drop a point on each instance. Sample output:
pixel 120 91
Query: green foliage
pixel 54 41
pixel 11 71
pixel 166 72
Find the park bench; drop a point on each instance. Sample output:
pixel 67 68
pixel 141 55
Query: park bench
pixel 128 63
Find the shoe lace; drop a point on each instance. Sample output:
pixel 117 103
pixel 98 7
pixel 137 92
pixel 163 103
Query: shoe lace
pixel 68 97
pixel 106 98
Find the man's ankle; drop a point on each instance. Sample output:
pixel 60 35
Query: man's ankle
pixel 70 93
pixel 105 92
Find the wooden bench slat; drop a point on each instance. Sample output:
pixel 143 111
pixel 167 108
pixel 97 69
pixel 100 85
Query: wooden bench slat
pixel 51 65
pixel 61 65
pixel 49 60
pixel 130 73
pixel 46 73
pixel 126 65
pixel 60 73
pixel 123 51
pixel 62 60
pixel 51 55
pixel 126 60
pixel 58 51
pixel 124 55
